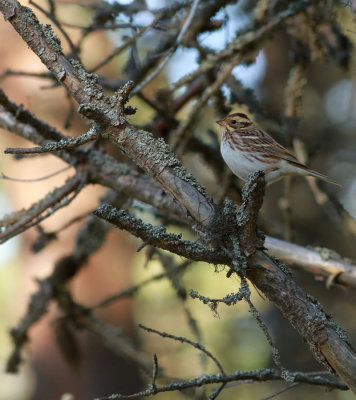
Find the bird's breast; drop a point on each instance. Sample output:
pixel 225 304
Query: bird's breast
pixel 241 162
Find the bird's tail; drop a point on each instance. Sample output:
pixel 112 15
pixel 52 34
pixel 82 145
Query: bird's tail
pixel 323 177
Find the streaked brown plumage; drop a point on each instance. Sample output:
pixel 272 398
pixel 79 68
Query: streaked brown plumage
pixel 246 149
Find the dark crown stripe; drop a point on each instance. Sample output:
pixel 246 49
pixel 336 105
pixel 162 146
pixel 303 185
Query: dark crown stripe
pixel 241 115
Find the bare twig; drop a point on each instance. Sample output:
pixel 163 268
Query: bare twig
pixel 51 15
pixel 14 224
pixel 278 392
pixel 131 291
pixel 178 41
pixel 3 176
pixel 21 116
pixel 180 135
pixel 125 45
pixel 182 339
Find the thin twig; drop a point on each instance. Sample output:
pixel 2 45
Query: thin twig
pixel 155 369
pixel 131 291
pixel 182 339
pixel 275 394
pixel 217 391
pixel 101 27
pixel 179 137
pixel 51 15
pixel 275 353
pixel 52 202
pixel 177 43
pixel 63 144
pixel 3 176
pixel 124 46
pixel 245 376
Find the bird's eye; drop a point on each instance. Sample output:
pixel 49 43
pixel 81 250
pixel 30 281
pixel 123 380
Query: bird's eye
pixel 233 121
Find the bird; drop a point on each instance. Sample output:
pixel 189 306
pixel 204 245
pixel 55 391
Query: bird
pixel 246 148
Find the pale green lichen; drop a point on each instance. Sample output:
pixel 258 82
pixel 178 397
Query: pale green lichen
pixel 282 266
pixel 89 81
pixel 108 165
pixel 239 261
pixel 11 218
pixel 327 254
pixel 28 17
pixel 340 332
pixel 248 190
pixel 156 153
pixel 51 39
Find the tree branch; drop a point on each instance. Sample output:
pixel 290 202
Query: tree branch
pixel 323 263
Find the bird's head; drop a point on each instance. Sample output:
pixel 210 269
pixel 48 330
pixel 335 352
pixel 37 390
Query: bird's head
pixel 235 121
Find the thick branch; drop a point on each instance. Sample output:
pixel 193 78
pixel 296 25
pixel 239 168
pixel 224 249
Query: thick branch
pixel 252 198
pixel 321 263
pixel 327 341
pixel 158 237
pixel 155 158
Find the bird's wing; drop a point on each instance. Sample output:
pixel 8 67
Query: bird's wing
pixel 263 143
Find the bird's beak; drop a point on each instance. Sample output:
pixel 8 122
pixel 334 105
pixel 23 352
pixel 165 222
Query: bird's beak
pixel 221 122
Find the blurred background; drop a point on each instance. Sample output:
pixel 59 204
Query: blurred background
pixel 322 129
